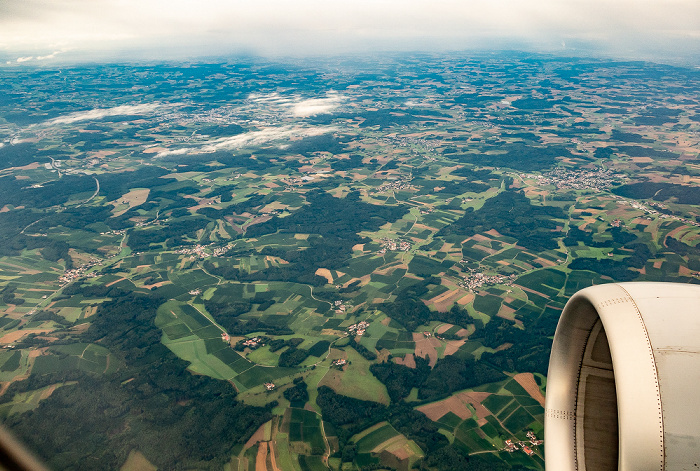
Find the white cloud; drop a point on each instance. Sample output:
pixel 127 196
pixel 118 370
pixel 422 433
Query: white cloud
pixel 96 114
pixel 250 139
pixel 52 55
pixel 274 98
pixel 315 106
pixel 49 56
pixel 298 106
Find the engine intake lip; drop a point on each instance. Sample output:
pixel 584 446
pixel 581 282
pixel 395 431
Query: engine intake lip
pixel 652 334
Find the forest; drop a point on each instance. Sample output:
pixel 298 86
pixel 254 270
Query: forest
pixel 152 399
pixel 512 215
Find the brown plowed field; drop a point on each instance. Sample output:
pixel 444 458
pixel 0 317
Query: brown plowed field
pixel 409 360
pixel 426 348
pixel 457 404
pixel 453 346
pixel 527 381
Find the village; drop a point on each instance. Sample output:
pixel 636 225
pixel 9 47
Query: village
pixel 512 447
pixel 394 244
pixel 359 328
pixel 661 214
pixel 341 307
pixel 80 272
pixel 403 183
pixel 404 141
pixel 600 179
pixel 201 251
pixel 475 280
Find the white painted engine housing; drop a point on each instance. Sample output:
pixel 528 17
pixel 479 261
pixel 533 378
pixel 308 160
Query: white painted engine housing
pixel 623 389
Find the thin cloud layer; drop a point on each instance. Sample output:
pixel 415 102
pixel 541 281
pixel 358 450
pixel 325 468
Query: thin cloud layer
pixel 97 114
pixel 297 106
pixel 252 138
pixel 315 106
pixel 170 27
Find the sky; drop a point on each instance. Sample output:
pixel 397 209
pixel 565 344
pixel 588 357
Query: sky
pixel 53 30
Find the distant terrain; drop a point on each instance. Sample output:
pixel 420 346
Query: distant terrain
pixel 343 263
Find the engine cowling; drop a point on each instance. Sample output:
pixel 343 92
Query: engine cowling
pixel 623 389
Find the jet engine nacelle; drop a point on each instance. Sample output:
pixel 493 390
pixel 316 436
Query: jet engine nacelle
pixel 623 389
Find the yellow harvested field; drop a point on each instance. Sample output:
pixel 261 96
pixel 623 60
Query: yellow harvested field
pixel 154 150
pixel 18 334
pixel 137 462
pixel 394 443
pixel 469 297
pixel 326 273
pixel 441 297
pixel 545 262
pixel 47 392
pixel 480 238
pixel 132 199
pixel 115 282
pixel 445 301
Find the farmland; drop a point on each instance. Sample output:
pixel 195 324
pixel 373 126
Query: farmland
pixel 374 285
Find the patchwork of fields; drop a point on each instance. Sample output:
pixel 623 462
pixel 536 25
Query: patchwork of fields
pixel 371 287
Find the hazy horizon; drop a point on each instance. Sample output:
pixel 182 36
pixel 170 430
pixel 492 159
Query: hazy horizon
pixel 35 31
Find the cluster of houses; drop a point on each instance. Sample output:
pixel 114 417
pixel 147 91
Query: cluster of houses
pixel 394 244
pixel 599 179
pixel 341 307
pixel 71 275
pixel 197 250
pixel 253 343
pixel 512 446
pixel 274 212
pixel 291 181
pixel 270 386
pixel 225 337
pixel 359 328
pixel 115 232
pixel 200 251
pixel 475 280
pixel 641 207
pixel 403 183
pixel 409 141
pixel 339 363
pixel 221 250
